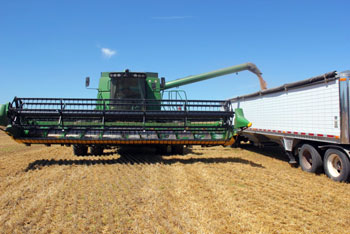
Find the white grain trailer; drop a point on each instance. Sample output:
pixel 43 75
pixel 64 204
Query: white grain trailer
pixel 310 119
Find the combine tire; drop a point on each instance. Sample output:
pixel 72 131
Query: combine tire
pixel 164 149
pixel 80 150
pixel 96 150
pixel 178 149
pixel 309 159
pixel 336 165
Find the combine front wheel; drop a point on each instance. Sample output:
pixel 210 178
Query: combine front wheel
pixel 96 150
pixel 178 149
pixel 80 150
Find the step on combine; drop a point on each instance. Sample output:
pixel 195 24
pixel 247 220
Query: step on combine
pixel 130 109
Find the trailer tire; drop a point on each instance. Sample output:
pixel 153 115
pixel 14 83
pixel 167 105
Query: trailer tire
pixel 96 150
pixel 309 159
pixel 80 150
pixel 336 165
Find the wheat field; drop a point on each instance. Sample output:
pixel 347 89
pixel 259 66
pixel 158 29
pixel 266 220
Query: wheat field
pixel 208 190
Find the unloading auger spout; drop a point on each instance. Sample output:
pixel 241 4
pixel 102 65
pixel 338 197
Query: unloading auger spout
pixel 221 72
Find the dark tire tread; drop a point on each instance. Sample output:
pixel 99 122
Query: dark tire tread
pixel 316 159
pixel 345 163
pixel 80 150
pixel 178 149
pixel 96 150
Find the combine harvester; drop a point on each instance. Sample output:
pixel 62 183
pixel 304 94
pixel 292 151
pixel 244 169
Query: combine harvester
pixel 310 119
pixel 129 110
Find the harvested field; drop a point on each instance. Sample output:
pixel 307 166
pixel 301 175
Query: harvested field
pixel 210 190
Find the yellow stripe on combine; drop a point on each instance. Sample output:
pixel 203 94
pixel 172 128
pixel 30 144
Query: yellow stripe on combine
pixel 126 142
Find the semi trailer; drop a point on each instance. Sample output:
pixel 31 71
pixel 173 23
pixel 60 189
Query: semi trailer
pixel 130 109
pixel 309 119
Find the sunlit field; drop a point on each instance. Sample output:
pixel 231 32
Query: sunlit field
pixel 208 190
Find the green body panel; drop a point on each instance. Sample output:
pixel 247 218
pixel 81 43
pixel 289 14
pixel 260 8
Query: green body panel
pixel 240 120
pixel 104 87
pixel 153 89
pixel 3 114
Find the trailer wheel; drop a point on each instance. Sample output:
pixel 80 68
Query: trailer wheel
pixel 336 165
pixel 96 150
pixel 80 150
pixel 309 159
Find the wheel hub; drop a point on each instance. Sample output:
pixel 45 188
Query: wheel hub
pixel 334 165
pixel 307 159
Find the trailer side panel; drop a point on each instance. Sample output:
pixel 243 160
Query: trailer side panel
pixel 310 111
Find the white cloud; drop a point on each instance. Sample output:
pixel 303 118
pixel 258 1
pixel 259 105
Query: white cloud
pixel 108 53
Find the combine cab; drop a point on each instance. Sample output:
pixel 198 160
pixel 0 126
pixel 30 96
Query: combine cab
pixel 129 110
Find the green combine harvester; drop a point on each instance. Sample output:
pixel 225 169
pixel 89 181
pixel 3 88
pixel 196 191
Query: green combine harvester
pixel 130 109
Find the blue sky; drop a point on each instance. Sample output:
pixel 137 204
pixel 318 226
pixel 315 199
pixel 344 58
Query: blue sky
pixel 47 48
